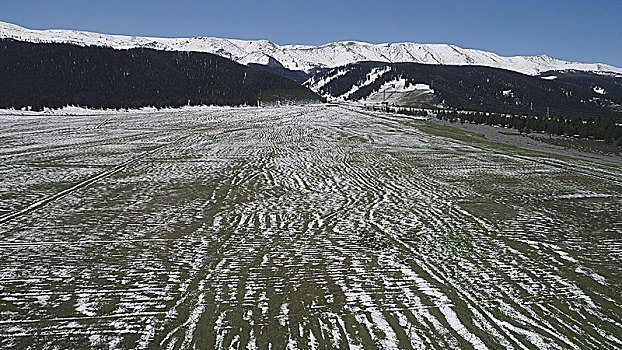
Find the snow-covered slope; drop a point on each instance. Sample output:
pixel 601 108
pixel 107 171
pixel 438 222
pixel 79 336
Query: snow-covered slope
pixel 371 77
pixel 398 92
pixel 304 57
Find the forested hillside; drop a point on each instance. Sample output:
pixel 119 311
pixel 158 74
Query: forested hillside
pixel 54 75
pixel 486 89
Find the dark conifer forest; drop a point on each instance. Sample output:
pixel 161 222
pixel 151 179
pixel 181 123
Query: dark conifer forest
pixel 56 75
pixel 486 89
pixel 606 129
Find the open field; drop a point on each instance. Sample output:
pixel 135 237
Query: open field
pixel 590 150
pixel 302 227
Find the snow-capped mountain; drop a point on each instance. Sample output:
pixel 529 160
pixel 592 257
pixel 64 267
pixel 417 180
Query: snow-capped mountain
pixel 306 57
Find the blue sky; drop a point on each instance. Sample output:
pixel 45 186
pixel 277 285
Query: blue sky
pixel 582 30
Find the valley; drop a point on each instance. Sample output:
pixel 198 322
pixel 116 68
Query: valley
pixel 299 227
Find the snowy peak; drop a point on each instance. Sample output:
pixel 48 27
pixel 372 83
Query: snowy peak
pixel 306 57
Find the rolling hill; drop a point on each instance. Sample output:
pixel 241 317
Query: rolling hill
pixel 55 75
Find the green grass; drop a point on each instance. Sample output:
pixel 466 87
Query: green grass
pixel 584 145
pixel 241 215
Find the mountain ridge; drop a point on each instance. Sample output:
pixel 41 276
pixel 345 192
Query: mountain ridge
pixel 309 57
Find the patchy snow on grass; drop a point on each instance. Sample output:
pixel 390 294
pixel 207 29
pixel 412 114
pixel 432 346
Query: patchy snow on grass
pixel 588 272
pixel 292 191
pixel 283 318
pixel 85 306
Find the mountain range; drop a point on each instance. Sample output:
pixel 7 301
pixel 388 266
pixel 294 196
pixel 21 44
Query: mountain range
pixel 52 68
pixel 307 58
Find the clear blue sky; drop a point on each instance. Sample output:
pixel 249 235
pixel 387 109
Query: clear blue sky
pixel 582 30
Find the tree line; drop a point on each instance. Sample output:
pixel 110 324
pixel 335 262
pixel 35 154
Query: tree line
pixel 606 129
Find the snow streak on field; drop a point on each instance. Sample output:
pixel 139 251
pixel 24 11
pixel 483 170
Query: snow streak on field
pixel 261 228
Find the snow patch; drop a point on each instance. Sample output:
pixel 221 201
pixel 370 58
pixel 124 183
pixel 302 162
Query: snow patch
pixel 370 78
pixel 394 91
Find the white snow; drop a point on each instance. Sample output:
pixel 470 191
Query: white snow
pixel 550 77
pixel 284 314
pixel 399 85
pixel 392 91
pixel 85 306
pixel 306 57
pixel 596 277
pixel 599 90
pixel 325 79
pixel 371 77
